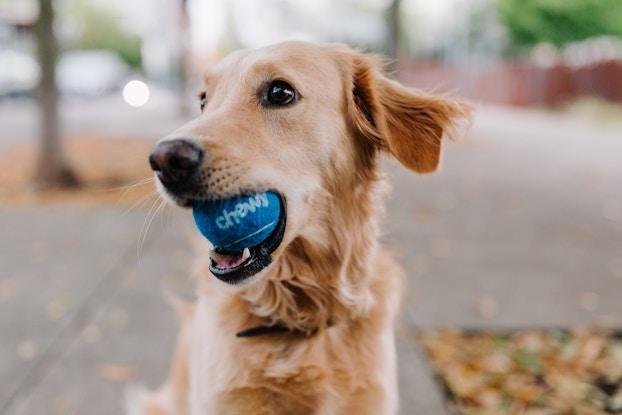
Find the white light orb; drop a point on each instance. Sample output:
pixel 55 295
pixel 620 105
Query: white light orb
pixel 136 93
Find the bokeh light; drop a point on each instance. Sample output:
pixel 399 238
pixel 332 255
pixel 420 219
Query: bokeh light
pixel 136 93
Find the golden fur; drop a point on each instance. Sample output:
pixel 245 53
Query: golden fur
pixel 329 277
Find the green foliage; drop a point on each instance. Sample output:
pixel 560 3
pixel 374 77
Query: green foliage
pixel 530 22
pixel 98 28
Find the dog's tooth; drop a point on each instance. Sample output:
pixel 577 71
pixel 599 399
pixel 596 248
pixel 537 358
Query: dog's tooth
pixel 215 255
pixel 246 254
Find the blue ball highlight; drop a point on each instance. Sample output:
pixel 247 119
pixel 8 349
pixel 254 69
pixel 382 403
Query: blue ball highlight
pixel 240 222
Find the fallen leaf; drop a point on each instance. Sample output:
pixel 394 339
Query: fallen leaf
pixel 486 307
pixel 116 373
pixel 27 350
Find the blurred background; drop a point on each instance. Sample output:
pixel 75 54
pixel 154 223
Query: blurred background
pixel 503 42
pixel 558 55
pixel 521 228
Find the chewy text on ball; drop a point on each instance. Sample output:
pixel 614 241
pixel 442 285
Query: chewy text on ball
pixel 240 222
pixel 229 218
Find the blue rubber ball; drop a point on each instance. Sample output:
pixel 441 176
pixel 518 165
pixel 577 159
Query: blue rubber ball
pixel 240 222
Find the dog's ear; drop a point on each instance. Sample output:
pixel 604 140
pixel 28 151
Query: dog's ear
pixel 408 124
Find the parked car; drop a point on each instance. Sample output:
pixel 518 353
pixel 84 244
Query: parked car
pixel 19 74
pixel 91 73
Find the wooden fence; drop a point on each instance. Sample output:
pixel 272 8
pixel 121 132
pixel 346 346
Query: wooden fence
pixel 518 83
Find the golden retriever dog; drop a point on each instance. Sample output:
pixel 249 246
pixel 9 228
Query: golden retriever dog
pixel 303 323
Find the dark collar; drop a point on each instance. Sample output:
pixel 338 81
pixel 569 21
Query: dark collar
pixel 279 328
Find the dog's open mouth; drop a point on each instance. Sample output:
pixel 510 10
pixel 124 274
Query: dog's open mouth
pixel 245 231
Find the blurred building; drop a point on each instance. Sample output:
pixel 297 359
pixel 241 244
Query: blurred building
pixel 447 45
pixel 19 70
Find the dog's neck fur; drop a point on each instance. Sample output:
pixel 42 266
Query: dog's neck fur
pixel 323 277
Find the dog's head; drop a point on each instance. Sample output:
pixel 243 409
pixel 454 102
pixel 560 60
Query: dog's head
pixel 306 122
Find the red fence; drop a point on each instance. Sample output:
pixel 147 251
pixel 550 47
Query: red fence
pixel 518 83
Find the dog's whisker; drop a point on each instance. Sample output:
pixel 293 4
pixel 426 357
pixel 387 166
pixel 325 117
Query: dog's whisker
pixel 163 209
pixel 142 200
pixel 153 212
pixel 139 183
pixel 142 229
pixel 128 187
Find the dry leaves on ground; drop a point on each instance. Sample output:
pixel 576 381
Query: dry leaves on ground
pixel 111 171
pixel 528 372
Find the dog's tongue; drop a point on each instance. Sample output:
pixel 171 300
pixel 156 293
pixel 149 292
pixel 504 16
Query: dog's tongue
pixel 229 260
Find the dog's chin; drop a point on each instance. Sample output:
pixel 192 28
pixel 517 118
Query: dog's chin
pixel 246 282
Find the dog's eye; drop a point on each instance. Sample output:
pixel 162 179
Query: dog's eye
pixel 281 93
pixel 203 101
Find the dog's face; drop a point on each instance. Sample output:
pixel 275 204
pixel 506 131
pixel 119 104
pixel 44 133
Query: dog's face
pixel 304 121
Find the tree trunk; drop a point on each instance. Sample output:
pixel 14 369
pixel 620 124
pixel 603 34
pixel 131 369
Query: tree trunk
pixel 393 49
pixel 52 170
pixel 183 51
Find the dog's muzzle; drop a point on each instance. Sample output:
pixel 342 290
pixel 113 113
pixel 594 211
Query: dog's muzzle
pixel 177 165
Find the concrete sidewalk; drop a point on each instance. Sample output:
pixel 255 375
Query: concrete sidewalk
pixel 522 227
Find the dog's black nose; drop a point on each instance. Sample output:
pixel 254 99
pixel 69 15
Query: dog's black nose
pixel 175 161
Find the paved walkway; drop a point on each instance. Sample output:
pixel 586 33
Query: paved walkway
pixel 521 228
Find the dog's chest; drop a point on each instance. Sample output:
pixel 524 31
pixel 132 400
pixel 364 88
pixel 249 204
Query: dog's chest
pixel 266 368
